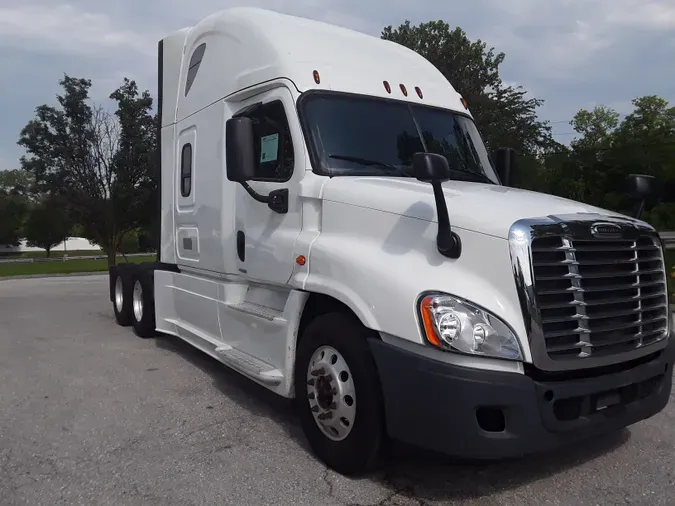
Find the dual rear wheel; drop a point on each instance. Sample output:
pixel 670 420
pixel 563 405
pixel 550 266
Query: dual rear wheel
pixel 134 298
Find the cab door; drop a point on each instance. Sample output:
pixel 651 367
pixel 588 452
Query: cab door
pixel 265 237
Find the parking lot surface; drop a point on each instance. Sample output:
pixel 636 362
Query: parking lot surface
pixel 91 414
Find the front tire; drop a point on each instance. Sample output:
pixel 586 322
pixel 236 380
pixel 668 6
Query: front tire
pixel 338 394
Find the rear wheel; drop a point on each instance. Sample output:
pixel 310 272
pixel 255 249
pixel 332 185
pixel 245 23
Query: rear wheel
pixel 143 304
pixel 338 393
pixel 121 297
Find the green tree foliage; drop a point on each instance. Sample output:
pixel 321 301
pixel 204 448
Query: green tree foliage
pixel 595 166
pixel 47 224
pixel 102 165
pixel 504 114
pixel 17 182
pixel 12 213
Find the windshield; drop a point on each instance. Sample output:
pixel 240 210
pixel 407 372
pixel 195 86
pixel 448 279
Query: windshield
pixel 351 135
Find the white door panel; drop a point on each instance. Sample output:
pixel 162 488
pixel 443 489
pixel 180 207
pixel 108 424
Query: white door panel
pixel 269 236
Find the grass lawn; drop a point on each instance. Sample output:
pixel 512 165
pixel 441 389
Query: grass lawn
pixel 67 267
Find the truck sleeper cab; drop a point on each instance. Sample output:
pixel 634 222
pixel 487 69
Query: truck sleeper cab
pixel 333 228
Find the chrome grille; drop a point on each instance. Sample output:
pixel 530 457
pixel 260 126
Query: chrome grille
pixel 598 298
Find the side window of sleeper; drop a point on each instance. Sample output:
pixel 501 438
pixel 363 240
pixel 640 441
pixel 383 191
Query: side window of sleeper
pixel 186 170
pixel 273 144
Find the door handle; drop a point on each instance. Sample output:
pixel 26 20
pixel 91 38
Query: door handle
pixel 241 245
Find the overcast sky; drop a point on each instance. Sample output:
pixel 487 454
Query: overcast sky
pixel 571 53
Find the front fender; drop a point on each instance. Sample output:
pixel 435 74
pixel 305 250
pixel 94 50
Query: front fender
pixel 378 263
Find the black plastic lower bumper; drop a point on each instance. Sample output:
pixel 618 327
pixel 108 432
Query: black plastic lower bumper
pixel 482 414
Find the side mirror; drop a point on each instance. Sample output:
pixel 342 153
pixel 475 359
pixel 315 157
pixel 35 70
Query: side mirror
pixel 642 187
pixel 430 167
pixel 241 164
pixel 505 160
pixel 239 149
pixel 433 168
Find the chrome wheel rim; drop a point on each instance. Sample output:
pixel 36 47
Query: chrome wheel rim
pixel 119 294
pixel 138 301
pixel 331 393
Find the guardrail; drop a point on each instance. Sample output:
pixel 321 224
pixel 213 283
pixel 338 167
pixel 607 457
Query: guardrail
pixel 29 260
pixel 668 239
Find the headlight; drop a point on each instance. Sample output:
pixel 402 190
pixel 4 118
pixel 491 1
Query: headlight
pixel 454 324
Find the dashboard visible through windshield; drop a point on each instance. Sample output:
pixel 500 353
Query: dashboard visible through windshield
pixel 351 135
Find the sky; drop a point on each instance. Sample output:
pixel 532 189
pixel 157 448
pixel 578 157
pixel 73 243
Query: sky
pixel 572 53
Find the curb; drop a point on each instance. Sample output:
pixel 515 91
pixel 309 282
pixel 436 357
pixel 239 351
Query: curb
pixel 55 275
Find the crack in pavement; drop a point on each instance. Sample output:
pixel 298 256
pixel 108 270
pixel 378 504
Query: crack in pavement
pixel 406 491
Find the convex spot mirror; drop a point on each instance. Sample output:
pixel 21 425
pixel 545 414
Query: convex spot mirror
pixel 641 186
pixel 429 167
pixel 505 162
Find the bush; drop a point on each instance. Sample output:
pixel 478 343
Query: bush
pixel 129 243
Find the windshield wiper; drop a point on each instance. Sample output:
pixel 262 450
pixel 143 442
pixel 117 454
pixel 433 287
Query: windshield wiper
pixel 479 175
pixel 369 163
pixel 375 163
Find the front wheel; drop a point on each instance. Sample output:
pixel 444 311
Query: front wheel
pixel 338 393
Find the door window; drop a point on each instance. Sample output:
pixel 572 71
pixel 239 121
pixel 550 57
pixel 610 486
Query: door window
pixel 273 144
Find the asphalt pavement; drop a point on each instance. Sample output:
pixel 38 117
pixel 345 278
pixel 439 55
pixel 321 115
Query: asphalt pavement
pixel 90 414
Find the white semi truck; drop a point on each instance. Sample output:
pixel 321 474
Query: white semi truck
pixel 333 228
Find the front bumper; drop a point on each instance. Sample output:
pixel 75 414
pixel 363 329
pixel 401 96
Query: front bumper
pixel 480 414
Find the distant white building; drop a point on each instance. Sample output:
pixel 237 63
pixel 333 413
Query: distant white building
pixel 70 244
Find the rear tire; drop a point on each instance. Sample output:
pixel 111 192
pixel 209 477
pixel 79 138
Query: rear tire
pixel 121 296
pixel 143 303
pixel 338 393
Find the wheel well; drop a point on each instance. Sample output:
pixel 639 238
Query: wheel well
pixel 319 304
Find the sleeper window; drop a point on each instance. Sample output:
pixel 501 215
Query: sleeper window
pixel 186 170
pixel 195 62
pixel 273 143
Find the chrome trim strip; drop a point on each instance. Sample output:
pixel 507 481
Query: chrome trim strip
pixel 578 226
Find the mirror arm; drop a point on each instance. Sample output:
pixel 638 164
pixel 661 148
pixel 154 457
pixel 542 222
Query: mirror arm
pixel 640 210
pixel 277 200
pixel 448 242
pixel 264 199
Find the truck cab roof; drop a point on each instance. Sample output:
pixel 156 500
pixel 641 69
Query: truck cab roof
pixel 231 52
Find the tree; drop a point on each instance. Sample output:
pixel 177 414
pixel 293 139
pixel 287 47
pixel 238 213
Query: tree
pixel 607 150
pixel 504 114
pixel 12 212
pixel 47 224
pixel 97 162
pixel 17 182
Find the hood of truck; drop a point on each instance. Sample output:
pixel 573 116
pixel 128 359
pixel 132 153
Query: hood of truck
pixel 483 208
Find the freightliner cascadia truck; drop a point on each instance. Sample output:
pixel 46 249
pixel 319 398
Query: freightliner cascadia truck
pixel 333 228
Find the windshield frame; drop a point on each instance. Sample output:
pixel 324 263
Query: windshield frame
pixel 315 158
